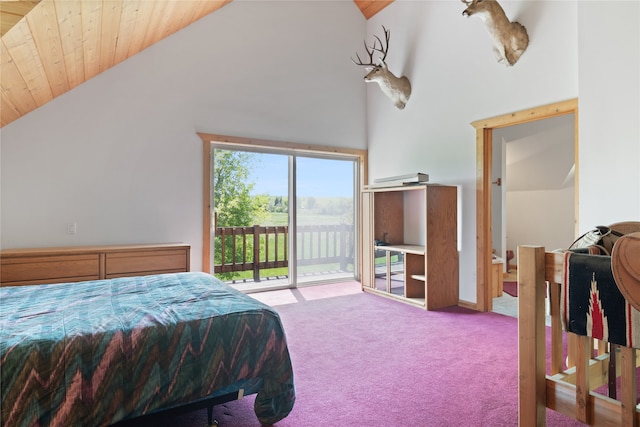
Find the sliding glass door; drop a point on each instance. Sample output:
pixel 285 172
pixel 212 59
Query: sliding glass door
pixel 282 218
pixel 325 218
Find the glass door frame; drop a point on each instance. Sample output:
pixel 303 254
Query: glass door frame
pixel 211 141
pixel 296 162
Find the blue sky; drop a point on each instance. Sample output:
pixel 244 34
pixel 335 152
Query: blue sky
pixel 316 177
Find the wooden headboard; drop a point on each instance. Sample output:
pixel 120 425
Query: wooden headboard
pixel 80 263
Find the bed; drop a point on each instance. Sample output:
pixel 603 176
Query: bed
pixel 96 352
pixel 581 360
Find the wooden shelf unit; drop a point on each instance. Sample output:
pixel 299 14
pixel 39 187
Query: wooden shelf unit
pixel 418 225
pixel 80 263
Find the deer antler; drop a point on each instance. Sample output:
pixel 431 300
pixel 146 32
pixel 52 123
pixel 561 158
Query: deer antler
pixel 370 52
pixel 382 49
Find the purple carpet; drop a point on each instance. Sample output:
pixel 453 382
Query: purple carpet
pixel 364 360
pixel 510 287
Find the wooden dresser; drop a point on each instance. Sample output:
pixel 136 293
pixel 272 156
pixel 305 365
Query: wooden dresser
pixel 79 263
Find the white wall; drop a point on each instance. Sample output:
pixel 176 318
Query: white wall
pixel 119 155
pixel 547 223
pixel 609 76
pixel 456 80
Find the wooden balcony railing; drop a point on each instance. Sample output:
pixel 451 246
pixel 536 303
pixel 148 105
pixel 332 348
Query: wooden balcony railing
pixel 316 244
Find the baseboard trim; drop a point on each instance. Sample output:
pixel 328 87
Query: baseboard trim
pixel 467 304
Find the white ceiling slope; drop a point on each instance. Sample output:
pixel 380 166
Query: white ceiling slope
pixel 49 47
pixel 539 155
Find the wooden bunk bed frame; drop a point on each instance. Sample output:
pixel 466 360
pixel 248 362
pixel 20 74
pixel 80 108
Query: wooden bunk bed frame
pixel 565 390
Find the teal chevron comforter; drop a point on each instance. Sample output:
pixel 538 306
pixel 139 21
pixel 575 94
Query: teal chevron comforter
pixel 94 353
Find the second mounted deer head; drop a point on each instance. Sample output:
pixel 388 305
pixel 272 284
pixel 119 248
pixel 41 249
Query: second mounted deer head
pixel 398 89
pixel 510 39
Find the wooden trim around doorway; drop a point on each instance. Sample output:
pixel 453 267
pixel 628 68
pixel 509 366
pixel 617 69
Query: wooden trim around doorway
pixel 484 132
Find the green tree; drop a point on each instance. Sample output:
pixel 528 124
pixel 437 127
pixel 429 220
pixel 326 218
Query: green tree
pixel 232 199
pixel 233 204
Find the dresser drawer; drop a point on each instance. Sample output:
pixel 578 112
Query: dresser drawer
pixel 49 269
pixel 141 263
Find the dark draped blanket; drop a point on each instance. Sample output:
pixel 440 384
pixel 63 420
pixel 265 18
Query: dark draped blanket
pixel 591 303
pixel 94 353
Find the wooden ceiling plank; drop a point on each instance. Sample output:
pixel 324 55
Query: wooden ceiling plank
pixel 7 21
pixel 127 27
pixel 181 16
pixel 362 5
pixel 17 7
pixel 11 12
pixel 13 86
pixel 168 19
pixel 110 28
pixel 162 12
pixel 370 7
pixel 142 18
pixel 188 11
pixel 70 27
pixel 24 53
pixel 43 24
pixel 91 14
pixel 206 7
pixel 7 111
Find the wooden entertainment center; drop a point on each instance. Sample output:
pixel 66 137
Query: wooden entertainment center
pixel 80 263
pixel 410 244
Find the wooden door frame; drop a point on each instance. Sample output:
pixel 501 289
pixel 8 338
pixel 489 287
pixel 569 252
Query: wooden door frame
pixel 484 148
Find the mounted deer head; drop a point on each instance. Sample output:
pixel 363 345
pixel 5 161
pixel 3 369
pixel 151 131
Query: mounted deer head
pixel 398 89
pixel 510 39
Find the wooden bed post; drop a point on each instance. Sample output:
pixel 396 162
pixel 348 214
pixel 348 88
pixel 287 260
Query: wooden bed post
pixel 629 416
pixel 531 336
